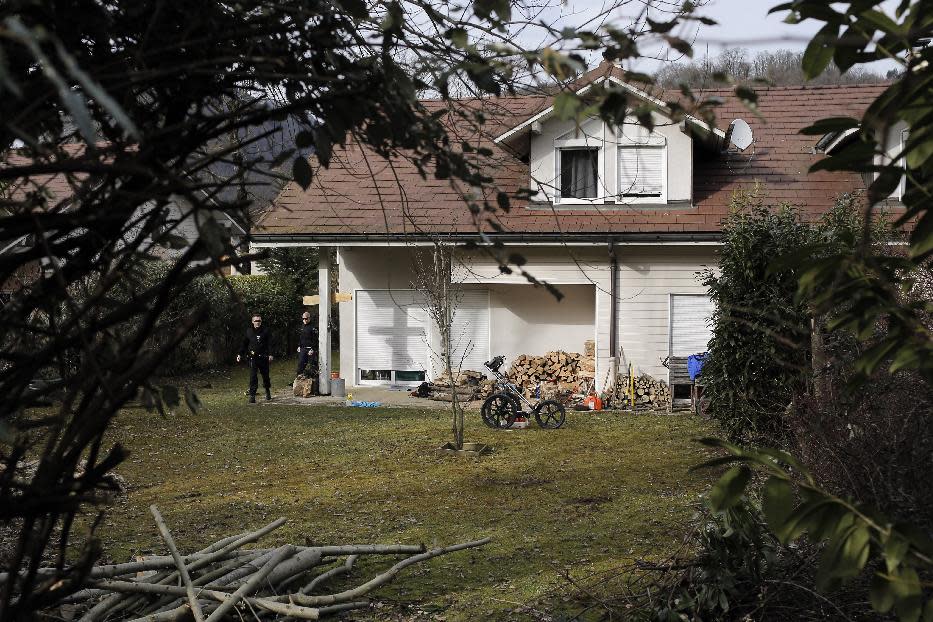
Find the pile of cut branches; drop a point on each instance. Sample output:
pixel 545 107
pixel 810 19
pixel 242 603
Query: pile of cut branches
pixel 224 580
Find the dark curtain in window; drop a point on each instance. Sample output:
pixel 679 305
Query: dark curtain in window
pixel 578 173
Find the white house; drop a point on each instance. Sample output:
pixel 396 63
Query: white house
pixel 621 222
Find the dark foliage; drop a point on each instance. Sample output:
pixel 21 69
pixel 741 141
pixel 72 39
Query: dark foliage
pixel 873 442
pixel 142 116
pixel 759 349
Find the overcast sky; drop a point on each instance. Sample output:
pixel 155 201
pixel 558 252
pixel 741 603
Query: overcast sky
pixel 741 23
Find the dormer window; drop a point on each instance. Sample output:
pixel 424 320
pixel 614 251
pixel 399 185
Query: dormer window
pixel 642 156
pixel 579 173
pixel 579 164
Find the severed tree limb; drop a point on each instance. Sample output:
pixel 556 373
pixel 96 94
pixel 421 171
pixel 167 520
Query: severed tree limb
pixel 223 553
pixel 218 582
pixel 254 581
pixel 251 537
pixel 300 563
pixel 178 614
pixel 288 609
pixel 221 550
pixel 160 562
pixel 100 609
pixel 343 568
pixel 208 577
pixel 324 611
pixel 242 570
pixel 368 549
pixel 182 571
pixel 309 557
pixel 227 552
pixel 388 575
pixel 159 577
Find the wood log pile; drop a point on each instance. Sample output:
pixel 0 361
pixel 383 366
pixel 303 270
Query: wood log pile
pixel 649 392
pixel 652 392
pixel 554 367
pixel 558 373
pixel 469 385
pixel 226 581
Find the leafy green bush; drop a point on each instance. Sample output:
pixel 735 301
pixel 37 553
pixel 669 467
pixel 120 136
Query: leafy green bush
pixel 768 348
pixel 855 538
pixel 725 580
pixel 759 349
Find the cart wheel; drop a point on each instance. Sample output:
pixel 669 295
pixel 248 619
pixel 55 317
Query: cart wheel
pixel 499 410
pixel 550 414
pixel 700 401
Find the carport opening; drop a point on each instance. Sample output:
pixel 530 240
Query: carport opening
pixel 525 319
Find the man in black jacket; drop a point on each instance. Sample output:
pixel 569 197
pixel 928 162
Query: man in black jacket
pixel 307 346
pixel 257 345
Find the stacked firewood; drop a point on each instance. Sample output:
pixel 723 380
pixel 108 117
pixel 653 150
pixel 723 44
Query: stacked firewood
pixel 224 581
pixel 559 366
pixel 649 392
pixel 553 391
pixel 587 368
pixel 468 385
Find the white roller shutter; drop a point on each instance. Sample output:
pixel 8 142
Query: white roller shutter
pixel 641 170
pixel 469 331
pixel 390 330
pixel 690 324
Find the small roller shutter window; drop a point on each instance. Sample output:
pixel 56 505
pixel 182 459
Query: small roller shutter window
pixel 642 160
pixel 641 171
pixel 691 328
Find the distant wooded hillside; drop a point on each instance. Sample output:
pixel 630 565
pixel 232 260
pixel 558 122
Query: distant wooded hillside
pixel 781 68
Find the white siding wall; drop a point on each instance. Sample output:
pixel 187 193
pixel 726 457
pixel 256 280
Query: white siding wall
pixel 647 278
pixel 529 320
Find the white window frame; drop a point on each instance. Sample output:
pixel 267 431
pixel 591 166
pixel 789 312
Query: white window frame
pixel 624 142
pixel 392 381
pixel 584 142
pixel 902 185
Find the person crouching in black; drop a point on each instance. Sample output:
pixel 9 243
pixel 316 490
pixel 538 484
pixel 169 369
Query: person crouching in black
pixel 307 347
pixel 257 345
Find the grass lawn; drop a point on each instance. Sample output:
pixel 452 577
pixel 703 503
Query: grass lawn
pixel 605 489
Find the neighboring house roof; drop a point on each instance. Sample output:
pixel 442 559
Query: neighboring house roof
pixel 48 191
pixel 362 196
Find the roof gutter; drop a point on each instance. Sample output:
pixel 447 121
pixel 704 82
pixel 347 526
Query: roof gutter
pixel 558 239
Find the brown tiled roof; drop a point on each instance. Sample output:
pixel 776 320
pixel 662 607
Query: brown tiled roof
pixel 42 190
pixel 362 194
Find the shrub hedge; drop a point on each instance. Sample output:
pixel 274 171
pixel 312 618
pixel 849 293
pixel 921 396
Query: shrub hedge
pixel 759 350
pixel 232 300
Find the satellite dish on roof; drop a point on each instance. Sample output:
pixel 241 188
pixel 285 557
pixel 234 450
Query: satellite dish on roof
pixel 739 134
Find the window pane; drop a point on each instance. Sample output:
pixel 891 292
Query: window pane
pixel 578 173
pixel 375 374
pixel 409 376
pixel 641 171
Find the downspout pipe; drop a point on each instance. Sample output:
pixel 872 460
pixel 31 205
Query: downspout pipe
pixel 613 313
